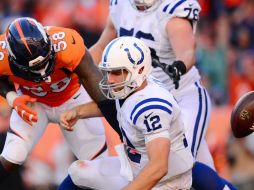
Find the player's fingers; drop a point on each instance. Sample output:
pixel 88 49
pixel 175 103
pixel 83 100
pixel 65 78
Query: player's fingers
pixel 69 129
pixel 66 127
pixel 67 118
pixel 72 122
pixel 70 116
pixel 21 113
pixel 29 122
pixel 33 118
pixel 29 117
pixel 63 122
pixel 28 110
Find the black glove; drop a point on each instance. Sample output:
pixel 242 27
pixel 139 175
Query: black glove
pixel 174 71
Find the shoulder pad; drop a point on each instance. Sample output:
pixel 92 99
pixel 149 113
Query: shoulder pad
pixel 68 45
pixel 180 8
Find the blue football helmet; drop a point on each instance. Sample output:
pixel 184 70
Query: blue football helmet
pixel 31 54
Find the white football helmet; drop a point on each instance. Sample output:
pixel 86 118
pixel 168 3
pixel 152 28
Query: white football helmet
pixel 125 54
pixel 146 4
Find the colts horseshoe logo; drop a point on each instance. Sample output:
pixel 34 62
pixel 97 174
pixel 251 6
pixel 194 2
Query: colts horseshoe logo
pixel 129 55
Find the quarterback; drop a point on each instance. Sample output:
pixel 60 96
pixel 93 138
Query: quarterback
pixel 48 65
pixel 168 28
pixel 155 153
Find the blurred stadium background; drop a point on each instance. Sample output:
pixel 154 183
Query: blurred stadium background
pixel 225 57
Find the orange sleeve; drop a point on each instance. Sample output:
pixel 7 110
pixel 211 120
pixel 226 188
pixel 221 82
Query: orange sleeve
pixel 69 46
pixel 4 62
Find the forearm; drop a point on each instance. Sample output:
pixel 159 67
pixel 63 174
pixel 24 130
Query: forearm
pixel 88 110
pixel 180 30
pixel 96 52
pixel 91 84
pixel 157 167
pixel 90 77
pixel 148 177
pixel 5 86
pixel 187 55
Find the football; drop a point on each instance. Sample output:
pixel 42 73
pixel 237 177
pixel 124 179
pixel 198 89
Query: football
pixel 242 116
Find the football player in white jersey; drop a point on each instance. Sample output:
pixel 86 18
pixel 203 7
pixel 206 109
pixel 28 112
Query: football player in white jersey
pixel 168 28
pixel 155 151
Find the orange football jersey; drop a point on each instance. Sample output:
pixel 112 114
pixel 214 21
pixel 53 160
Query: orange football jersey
pixel 70 49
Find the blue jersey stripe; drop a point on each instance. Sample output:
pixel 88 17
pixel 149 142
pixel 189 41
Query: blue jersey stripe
pixel 204 122
pixel 133 156
pixel 197 119
pixel 107 51
pixel 149 108
pixel 112 1
pixel 176 5
pixel 166 7
pixel 147 101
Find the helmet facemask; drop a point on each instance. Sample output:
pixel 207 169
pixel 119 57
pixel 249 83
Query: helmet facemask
pixel 121 89
pixel 43 66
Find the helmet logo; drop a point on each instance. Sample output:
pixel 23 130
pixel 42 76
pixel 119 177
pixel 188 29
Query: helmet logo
pixel 129 55
pixel 21 34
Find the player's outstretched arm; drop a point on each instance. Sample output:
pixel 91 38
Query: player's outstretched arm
pixel 157 167
pixel 90 76
pixel 109 33
pixel 70 117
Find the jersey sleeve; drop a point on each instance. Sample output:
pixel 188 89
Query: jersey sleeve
pixel 188 9
pixel 68 45
pixel 152 116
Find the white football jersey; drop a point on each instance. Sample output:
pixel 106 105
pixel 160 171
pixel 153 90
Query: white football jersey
pixel 150 26
pixel 148 114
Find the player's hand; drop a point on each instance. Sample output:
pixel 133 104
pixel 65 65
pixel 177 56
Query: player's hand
pixel 174 71
pixel 68 119
pixel 21 105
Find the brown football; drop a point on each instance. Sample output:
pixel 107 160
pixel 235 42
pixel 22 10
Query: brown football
pixel 242 116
